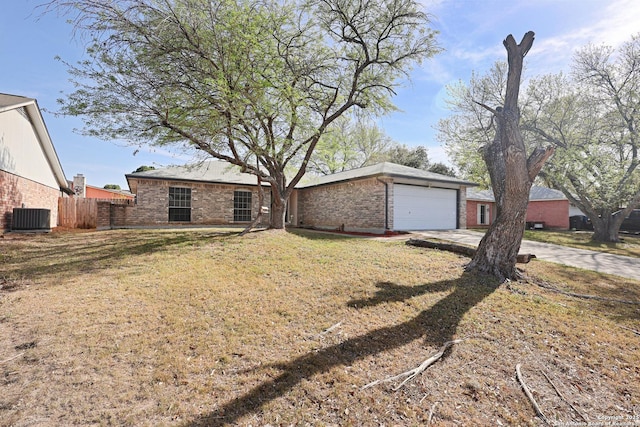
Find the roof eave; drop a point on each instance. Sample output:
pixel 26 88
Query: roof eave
pixel 166 178
pixel 392 175
pixel 49 150
pixel 444 181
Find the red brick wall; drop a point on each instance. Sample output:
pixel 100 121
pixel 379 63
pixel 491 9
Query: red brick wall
pixel 554 213
pixel 472 213
pixel 16 191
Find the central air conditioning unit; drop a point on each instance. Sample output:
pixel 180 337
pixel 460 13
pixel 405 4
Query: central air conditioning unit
pixel 28 219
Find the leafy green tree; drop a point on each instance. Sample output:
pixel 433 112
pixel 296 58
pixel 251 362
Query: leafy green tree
pixel 416 157
pixel 442 169
pixel 112 187
pixel 355 141
pixel 351 142
pixel 241 79
pixel 470 126
pixel 144 169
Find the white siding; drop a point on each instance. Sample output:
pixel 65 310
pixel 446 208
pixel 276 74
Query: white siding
pixel 20 149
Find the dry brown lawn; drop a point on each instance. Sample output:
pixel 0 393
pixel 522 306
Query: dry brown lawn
pixel 205 328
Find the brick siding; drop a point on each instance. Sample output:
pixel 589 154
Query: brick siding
pixel 16 191
pixel 554 213
pixel 353 206
pixel 356 206
pixel 462 207
pixel 211 204
pixel 472 213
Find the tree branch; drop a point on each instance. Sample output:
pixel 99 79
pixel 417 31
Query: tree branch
pixel 537 159
pixel 527 392
pixel 412 373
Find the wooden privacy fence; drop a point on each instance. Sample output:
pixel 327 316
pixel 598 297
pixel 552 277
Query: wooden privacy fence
pixel 75 212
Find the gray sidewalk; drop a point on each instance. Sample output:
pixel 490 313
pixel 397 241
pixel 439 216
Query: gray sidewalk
pixel 619 265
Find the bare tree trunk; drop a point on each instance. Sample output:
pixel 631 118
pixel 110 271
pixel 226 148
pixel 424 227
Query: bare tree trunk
pixel 511 172
pixel 607 228
pixel 279 196
pixel 278 212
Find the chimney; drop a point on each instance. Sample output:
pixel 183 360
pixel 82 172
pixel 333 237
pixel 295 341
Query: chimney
pixel 80 185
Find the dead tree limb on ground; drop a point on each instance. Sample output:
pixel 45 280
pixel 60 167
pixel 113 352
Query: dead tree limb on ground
pixel 584 418
pixel 529 395
pixel 412 373
pixel 11 358
pixel 433 408
pixel 551 288
pixel 460 249
pixel 331 328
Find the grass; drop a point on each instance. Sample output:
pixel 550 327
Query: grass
pixel 629 245
pixel 203 328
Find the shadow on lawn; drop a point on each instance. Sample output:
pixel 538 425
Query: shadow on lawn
pixel 436 325
pixel 614 290
pixel 48 255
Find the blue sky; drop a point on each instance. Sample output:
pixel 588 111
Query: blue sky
pixel 471 33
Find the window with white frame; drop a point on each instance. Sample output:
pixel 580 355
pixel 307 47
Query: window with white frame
pixel 484 214
pixel 241 206
pixel 179 204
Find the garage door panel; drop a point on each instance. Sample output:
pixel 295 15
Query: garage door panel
pixel 424 208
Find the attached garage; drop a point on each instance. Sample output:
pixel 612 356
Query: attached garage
pixel 380 198
pixel 424 208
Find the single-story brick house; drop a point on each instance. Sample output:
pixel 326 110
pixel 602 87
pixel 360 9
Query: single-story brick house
pixel 378 198
pixel 31 175
pixel 547 209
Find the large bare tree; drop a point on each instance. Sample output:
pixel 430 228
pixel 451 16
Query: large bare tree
pixel 241 79
pixel 512 173
pixel 590 116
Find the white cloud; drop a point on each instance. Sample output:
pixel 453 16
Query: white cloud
pixel 437 154
pixel 611 25
pixel 435 70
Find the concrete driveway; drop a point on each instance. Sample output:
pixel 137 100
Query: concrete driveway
pixel 619 265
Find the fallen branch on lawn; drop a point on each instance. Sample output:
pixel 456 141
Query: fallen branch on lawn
pixel 412 373
pixel 635 331
pixel 459 249
pixel 331 328
pixel 547 286
pixel 562 397
pixel 629 329
pixel 433 408
pixel 529 395
pixel 11 358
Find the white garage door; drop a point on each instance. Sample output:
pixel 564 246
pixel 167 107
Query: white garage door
pixel 422 208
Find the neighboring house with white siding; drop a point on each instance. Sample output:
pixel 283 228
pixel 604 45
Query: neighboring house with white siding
pixel 31 175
